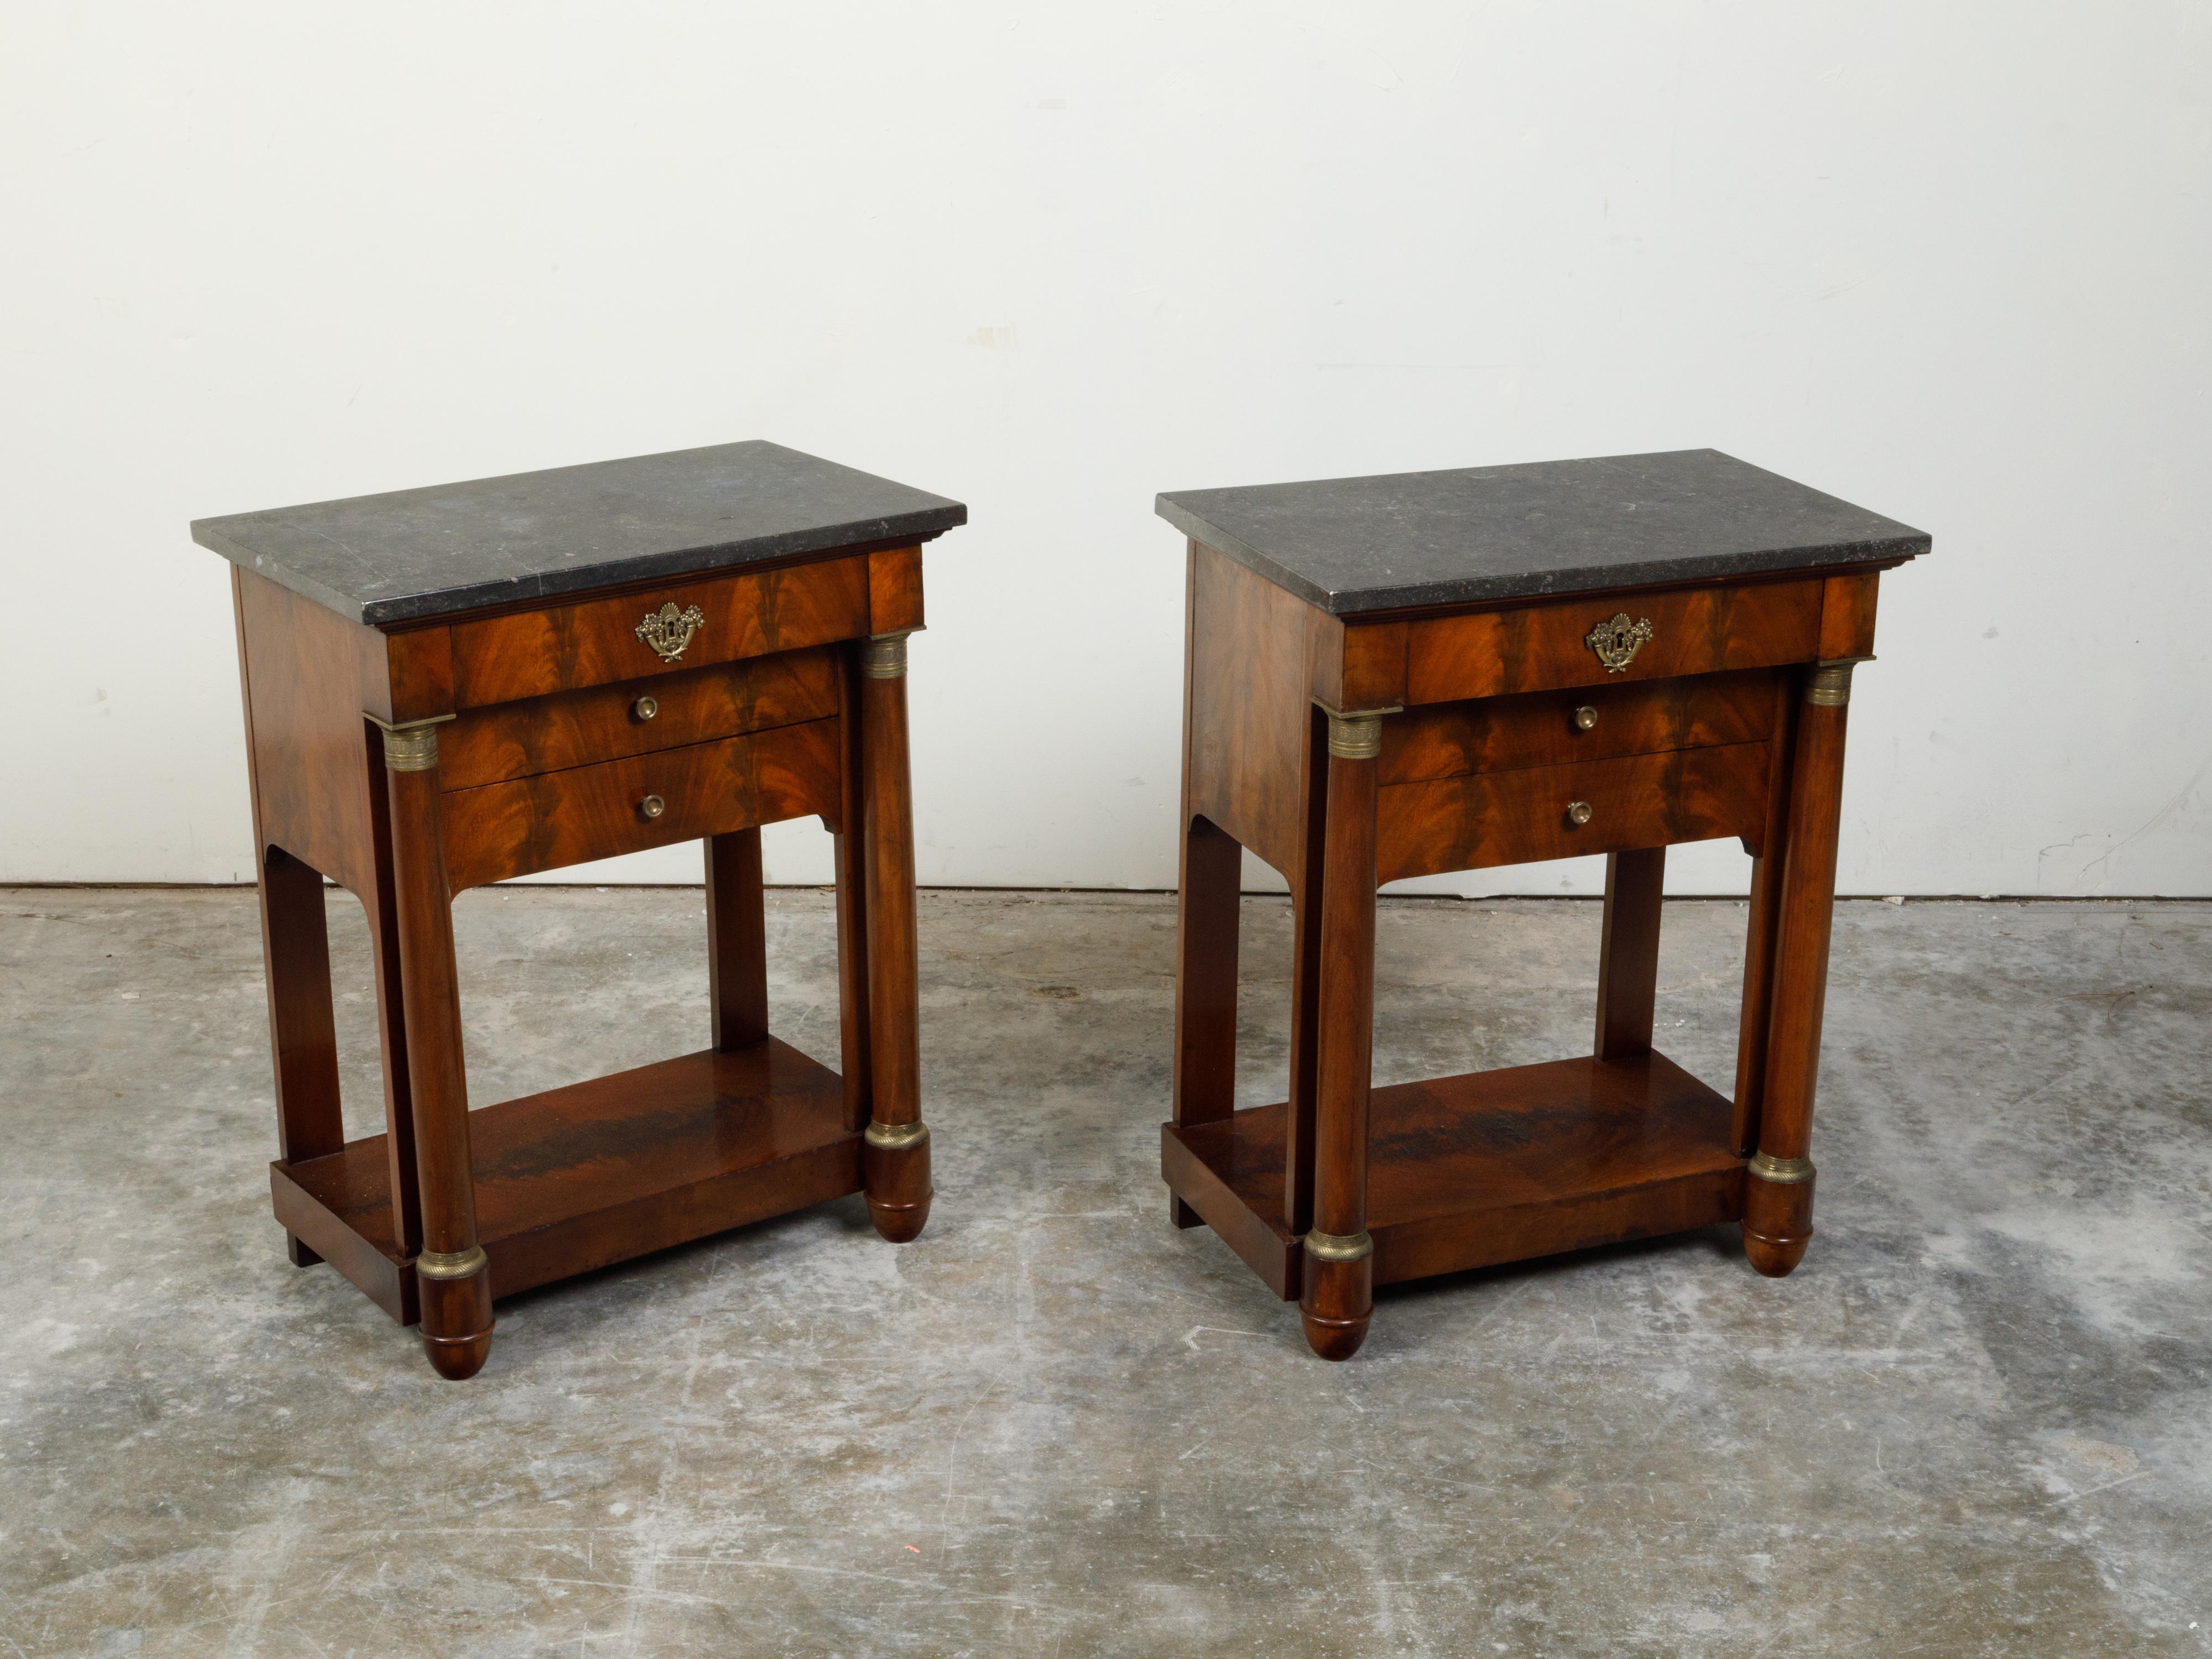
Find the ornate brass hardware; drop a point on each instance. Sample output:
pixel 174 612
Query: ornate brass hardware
pixel 1617 642
pixel 668 630
pixel 1579 813
pixel 1829 684
pixel 646 707
pixel 1340 1247
pixel 411 745
pixel 896 1137
pixel 411 749
pixel 1782 1171
pixel 1585 718
pixel 1355 737
pixel 1356 734
pixel 653 806
pixel 450 1264
pixel 884 657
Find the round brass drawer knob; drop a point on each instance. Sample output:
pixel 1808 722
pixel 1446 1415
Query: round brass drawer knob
pixel 653 806
pixel 1585 718
pixel 646 707
pixel 1579 812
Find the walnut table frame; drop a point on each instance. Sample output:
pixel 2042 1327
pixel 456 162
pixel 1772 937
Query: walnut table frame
pixel 454 686
pixel 1399 677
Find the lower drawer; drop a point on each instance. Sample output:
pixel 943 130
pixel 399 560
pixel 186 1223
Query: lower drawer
pixel 574 728
pixel 1472 822
pixel 585 812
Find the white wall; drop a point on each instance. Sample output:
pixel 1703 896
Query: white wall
pixel 1953 262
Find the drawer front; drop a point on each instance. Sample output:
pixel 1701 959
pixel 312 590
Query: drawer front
pixel 557 818
pixel 1540 648
pixel 532 653
pixel 1558 728
pixel 1519 818
pixel 575 728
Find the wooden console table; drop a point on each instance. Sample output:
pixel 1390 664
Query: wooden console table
pixel 1402 675
pixel 451 686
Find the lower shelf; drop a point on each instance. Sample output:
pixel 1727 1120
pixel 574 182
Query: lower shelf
pixel 1494 1166
pixel 596 1173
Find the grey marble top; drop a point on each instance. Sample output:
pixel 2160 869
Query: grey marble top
pixel 1406 539
pixel 416 553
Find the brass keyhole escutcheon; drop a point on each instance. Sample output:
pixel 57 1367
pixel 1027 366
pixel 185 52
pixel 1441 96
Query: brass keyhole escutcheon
pixel 668 630
pixel 1617 642
pixel 1585 718
pixel 1579 813
pixel 653 806
pixel 646 707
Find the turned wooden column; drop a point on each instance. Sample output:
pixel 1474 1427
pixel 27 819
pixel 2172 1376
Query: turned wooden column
pixel 895 1158
pixel 1778 1214
pixel 1628 951
pixel 302 1028
pixel 1337 1293
pixel 736 940
pixel 1207 913
pixel 452 1279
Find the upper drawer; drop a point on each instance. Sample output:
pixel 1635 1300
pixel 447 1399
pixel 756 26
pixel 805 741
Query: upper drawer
pixel 1554 728
pixel 605 722
pixel 1537 647
pixel 532 652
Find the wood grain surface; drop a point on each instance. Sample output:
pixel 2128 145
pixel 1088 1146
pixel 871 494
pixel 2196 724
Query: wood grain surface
pixel 1699 630
pixel 575 728
pixel 1518 818
pixel 1538 728
pixel 1496 1166
pixel 503 830
pixel 534 652
pixel 598 1172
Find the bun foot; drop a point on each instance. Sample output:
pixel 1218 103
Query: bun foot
pixel 457 1318
pixel 1338 1298
pixel 1778 1212
pixel 895 1171
pixel 1775 1257
pixel 458 1358
pixel 899 1224
pixel 1334 1339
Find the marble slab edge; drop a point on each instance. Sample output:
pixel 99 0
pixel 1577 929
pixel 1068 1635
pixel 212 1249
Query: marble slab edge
pixel 1540 583
pixel 924 524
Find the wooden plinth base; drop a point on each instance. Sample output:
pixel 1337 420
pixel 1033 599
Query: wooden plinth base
pixel 1492 1167
pixel 598 1172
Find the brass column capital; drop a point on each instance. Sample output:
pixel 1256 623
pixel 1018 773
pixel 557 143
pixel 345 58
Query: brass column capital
pixel 411 745
pixel 1829 684
pixel 1356 733
pixel 884 656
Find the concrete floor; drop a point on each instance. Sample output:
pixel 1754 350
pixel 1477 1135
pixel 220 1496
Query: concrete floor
pixel 1977 1421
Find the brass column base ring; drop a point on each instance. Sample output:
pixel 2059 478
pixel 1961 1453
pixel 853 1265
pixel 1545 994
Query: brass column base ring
pixel 451 1264
pixel 896 1137
pixel 1782 1171
pixel 1340 1247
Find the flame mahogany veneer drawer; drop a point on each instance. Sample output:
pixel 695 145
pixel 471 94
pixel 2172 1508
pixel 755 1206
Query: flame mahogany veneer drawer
pixel 1473 822
pixel 532 653
pixel 1536 647
pixel 555 818
pixel 575 728
pixel 1540 729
